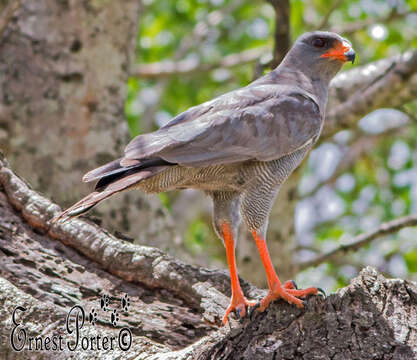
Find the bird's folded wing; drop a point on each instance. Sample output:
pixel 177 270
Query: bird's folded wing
pixel 262 123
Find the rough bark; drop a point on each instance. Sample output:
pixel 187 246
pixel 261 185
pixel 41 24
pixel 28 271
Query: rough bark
pixel 65 66
pixel 174 308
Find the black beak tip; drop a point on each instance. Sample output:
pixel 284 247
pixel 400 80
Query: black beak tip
pixel 350 56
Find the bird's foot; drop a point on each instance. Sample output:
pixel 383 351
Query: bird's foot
pixel 238 304
pixel 289 293
pixel 290 284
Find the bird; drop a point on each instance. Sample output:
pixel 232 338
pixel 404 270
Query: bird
pixel 238 148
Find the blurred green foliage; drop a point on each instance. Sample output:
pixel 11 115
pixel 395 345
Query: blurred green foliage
pixel 207 30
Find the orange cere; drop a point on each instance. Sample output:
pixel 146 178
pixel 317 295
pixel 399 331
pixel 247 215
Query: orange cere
pixel 338 51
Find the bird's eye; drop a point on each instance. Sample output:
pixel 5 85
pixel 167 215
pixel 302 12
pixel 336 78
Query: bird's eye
pixel 319 42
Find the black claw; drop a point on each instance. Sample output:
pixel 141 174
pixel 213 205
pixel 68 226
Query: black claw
pixel 305 303
pixel 250 311
pixel 294 284
pixel 238 313
pixel 322 292
pixel 253 309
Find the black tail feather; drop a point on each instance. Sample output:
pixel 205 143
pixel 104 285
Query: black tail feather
pixel 121 172
pixel 114 178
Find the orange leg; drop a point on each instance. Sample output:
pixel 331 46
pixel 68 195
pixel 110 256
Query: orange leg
pixel 276 289
pixel 238 302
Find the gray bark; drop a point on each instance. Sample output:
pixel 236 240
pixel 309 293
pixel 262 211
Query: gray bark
pixel 64 67
pixel 175 308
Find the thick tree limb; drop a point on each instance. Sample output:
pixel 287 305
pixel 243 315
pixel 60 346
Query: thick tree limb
pixel 48 269
pixel 130 262
pixel 362 240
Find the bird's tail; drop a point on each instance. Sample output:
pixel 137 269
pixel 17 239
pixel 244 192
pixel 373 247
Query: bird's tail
pixel 113 178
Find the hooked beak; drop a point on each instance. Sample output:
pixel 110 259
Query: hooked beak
pixel 342 51
pixel 350 56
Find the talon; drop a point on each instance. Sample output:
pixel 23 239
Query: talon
pixel 253 308
pixel 238 306
pixel 305 304
pixel 321 291
pixel 290 284
pixel 292 296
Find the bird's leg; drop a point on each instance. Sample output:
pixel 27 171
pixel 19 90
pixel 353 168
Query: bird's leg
pixel 288 292
pixel 238 302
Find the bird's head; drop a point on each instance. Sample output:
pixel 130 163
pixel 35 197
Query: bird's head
pixel 320 53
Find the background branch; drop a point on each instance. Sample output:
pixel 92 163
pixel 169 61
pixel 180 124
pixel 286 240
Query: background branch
pixel 195 38
pixel 362 240
pixel 7 14
pixel 354 93
pixel 362 146
pixel 351 27
pixel 325 20
pixel 188 67
pixel 282 35
pixel 377 79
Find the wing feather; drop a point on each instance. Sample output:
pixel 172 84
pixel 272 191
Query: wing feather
pixel 262 122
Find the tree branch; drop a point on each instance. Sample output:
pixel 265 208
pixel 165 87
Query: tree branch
pixel 141 264
pixel 197 35
pixel 282 42
pixel 363 146
pixel 350 28
pixel 173 305
pixel 325 20
pixel 282 36
pixel 7 15
pixel 165 69
pixel 352 93
pixel 389 82
pixel 362 240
